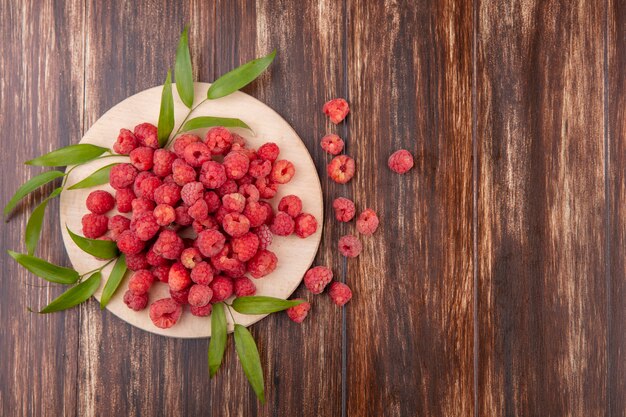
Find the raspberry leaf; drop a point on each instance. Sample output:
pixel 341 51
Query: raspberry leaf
pixel 182 70
pixel 218 338
pixel 44 269
pixel 115 278
pixel 103 249
pixel 166 114
pixel 250 360
pixel 259 304
pixel 210 121
pixel 69 155
pixel 35 221
pixel 98 177
pixel 75 295
pixel 239 77
pixel 30 186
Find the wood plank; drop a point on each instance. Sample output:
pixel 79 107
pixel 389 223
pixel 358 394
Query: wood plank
pixel 410 329
pixel 541 209
pixel 41 62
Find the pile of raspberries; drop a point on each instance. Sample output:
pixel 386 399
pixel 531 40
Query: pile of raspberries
pixel 195 217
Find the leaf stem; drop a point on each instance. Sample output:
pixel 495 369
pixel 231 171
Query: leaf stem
pixel 67 174
pixel 230 312
pixel 98 269
pixel 184 120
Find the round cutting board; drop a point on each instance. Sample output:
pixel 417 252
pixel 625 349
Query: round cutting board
pixel 295 255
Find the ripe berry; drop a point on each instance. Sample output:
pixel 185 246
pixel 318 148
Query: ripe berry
pixel 282 171
pixel 290 204
pixel 164 214
pixel 344 209
pixel 249 192
pixel 244 287
pixel 212 174
pixel 141 158
pixel 229 187
pixel 190 257
pixel 192 192
pixel 260 168
pixel 213 201
pixel 298 313
pixel 182 215
pixel 169 245
pixel 341 169
pixel 202 273
pixel 340 293
pixel 222 288
pixel 129 243
pixel 265 236
pixel 199 295
pixel 246 246
pixel 165 313
pixel 236 165
pixel 219 140
pixel 182 172
pixel 317 278
pixel 332 144
pixel 400 161
pixel 178 278
pixel 155 259
pixel 182 142
pixel 196 154
pixel 137 261
pixel 262 264
pixel 146 134
pixel 350 246
pixel 181 297
pixel 117 224
pixel 226 261
pixel 283 224
pixel 336 109
pixel 199 210
pixel 236 224
pixel 140 282
pixel 94 225
pixel 268 151
pixel 141 205
pixel 306 225
pixel 267 189
pixel 145 226
pixel 210 242
pixel 162 161
pixel 256 213
pixel 100 201
pixel 203 311
pixel 147 186
pixel 161 272
pixel 122 176
pixel 125 143
pixel 234 202
pixel 123 200
pixel 135 302
pixel 367 223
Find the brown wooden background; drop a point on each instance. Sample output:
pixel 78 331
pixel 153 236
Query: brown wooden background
pixel 496 285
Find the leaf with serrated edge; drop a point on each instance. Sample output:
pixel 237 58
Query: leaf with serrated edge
pixel 75 295
pixel 35 221
pixel 259 304
pixel 250 360
pixel 166 113
pixel 98 177
pixel 218 338
pixel 30 186
pixel 44 269
pixel 182 70
pixel 210 121
pixel 239 77
pixel 115 278
pixel 103 249
pixel 69 155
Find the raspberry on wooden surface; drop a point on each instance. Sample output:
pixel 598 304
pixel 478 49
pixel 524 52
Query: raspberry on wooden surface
pixel 136 302
pixel 178 278
pixel 196 154
pixel 122 176
pixel 400 161
pixel 141 158
pixel 164 214
pixel 298 313
pixel 182 172
pixel 282 171
pixel 305 226
pixel 210 242
pixel 182 142
pixel 212 174
pixel 332 144
pixel 125 143
pixel 244 287
pixel 140 282
pixel 165 312
pixel 336 109
pixel 339 293
pixel 367 223
pixel 124 199
pixel 202 273
pixel 236 165
pixel 317 278
pixel 344 209
pixel 137 261
pixel 283 224
pixel 262 264
pixel 94 225
pixel 117 224
pixel 169 245
pixel 129 244
pixel 350 246
pixel 219 140
pixel 162 161
pixel 268 151
pixel 146 134
pixel 341 169
pixel 100 202
pixel 222 288
pixel 265 236
pixel 203 311
pixel 199 295
pixel 290 204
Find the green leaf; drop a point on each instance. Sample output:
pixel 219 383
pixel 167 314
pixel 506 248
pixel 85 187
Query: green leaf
pixel 75 295
pixel 45 270
pixel 30 186
pixel 259 304
pixel 98 177
pixel 239 77
pixel 210 121
pixel 35 221
pixel 103 249
pixel 166 114
pixel 218 338
pixel 69 155
pixel 182 70
pixel 250 360
pixel 117 273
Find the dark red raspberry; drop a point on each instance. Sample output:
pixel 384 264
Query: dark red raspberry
pixel 236 224
pixel 161 272
pixel 147 187
pixel 246 246
pixel 350 246
pixel 181 297
pixel 269 210
pixel 164 214
pixel 203 311
pixel 256 213
pixel 140 282
pixel 135 302
pixel 340 293
pixel 298 313
pixel 244 287
pixel 268 151
pixel 94 225
pixel 167 194
pixel 209 223
pixel 178 278
pixel 222 288
pixel 367 223
pixel 196 154
pixel 200 295
pixel 165 313
pixel 169 245
pixel 400 161
pixel 145 226
pixel 341 169
pixel 219 140
pixel 283 224
pixel 137 261
pixel 181 143
pixel 236 165
pixel 282 172
pixel 212 174
pixel 117 224
pixel 202 273
pixel 249 192
pixel 130 244
pixel 141 158
pixel 155 259
pixel 344 209
pixel 199 210
pixel 265 236
pixel 234 202
pixel 317 278
pixel 213 201
pixel 260 168
pixel 142 205
pixel 182 172
pixel 332 144
pixel 290 204
pixel 190 257
pixel 226 261
pixel 306 225
pixel 125 143
pixel 162 162
pixel 122 176
pixel 229 187
pixel 245 180
pixel 123 200
pixel 267 189
pixel 262 264
pixel 182 215
pixel 100 201
pixel 210 242
pixel 336 109
pixel 146 134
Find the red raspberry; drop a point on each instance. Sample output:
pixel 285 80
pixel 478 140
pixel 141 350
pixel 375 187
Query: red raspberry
pixel 306 225
pixel 202 273
pixel 249 192
pixel 344 209
pixel 165 313
pixel 191 192
pixel 125 142
pixel 244 287
pixel 178 278
pixel 210 242
pixel 200 295
pixel 199 210
pixel 203 311
pixel 298 313
pixel 256 213
pixel 182 172
pixel 336 109
pixel 332 144
pixel 146 134
pixel 130 244
pixel 229 187
pixel 196 154
pixel 236 269
pixel 209 223
pixel 340 293
pixel 181 297
pixel 137 261
pixel 222 288
pixel 236 165
pixel 226 260
pixel 164 214
pixel 167 194
pixel 291 204
pixel 117 224
pixel 400 161
pixel 161 272
pixel 169 245
pixel 268 151
pixel 190 257
pixel 212 174
pixel 282 171
pixel 213 201
pixel 367 223
pixel 182 215
pixel 316 279
pixel 260 168
pixel 169 179
pixel 144 226
pixel 262 264
pixel 219 140
pixel 140 282
pixel 162 162
pixel 238 140
pixel 245 180
pixel 139 179
pixel 234 202
pixel 221 213
pixel 99 202
pixel 182 142
pixel 155 259
pixel 350 246
pixel 123 200
pixel 246 246
pixel 341 169
pixel 94 225
pixel 236 224
pixel 265 236
pixel 135 302
pixel 141 205
pixel 283 224
pixel 266 188
pixel 147 187
pixel 141 158
pixel 122 176
pixel 269 210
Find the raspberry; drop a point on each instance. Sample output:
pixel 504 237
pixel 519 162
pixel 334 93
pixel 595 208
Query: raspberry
pixel 340 293
pixel 140 282
pixel 190 257
pixel 145 226
pixel 212 174
pixel 137 261
pixel 283 224
pixel 178 277
pixel 265 236
pixel 135 302
pixel 141 205
pixel 161 272
pixel 147 186
pixel 221 213
pixel 209 223
pixel 236 224
pixel 226 260
pixel 290 204
pixel 306 225
pixel 245 180
pixel 238 140
pixel 99 202
pixel 317 278
pixel 256 213
pixel 200 295
pixel 219 140
pixel 181 297
pixel 268 151
pixel 169 245
pixel 213 201
pixel 94 225
pixel 266 188
pixel 182 172
pixel 249 192
pixel 122 176
pixel 400 161
pixel 229 187
pixel 262 264
pixel 350 246
pixel 123 200
pixel 210 242
pixel 182 215
pixel 141 158
pixel 244 287
pixel 269 212
pixel 199 210
pixel 167 194
pixel 282 171
pixel 162 161
pixel 341 169
pixel 236 165
pixel 155 259
pixel 236 270
pixel 260 168
pixel 298 313
pixel 332 144
pixel 367 223
pixel 196 154
pixel 222 288
pixel 130 244
pixel 146 134
pixel 203 311
pixel 234 202
pixel 182 142
pixel 165 312
pixel 336 109
pixel 191 192
pixel 125 143
pixel 344 209
pixel 164 214
pixel 169 179
pixel 117 224
pixel 246 246
pixel 202 273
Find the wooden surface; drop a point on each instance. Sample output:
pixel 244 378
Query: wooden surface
pixel 496 283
